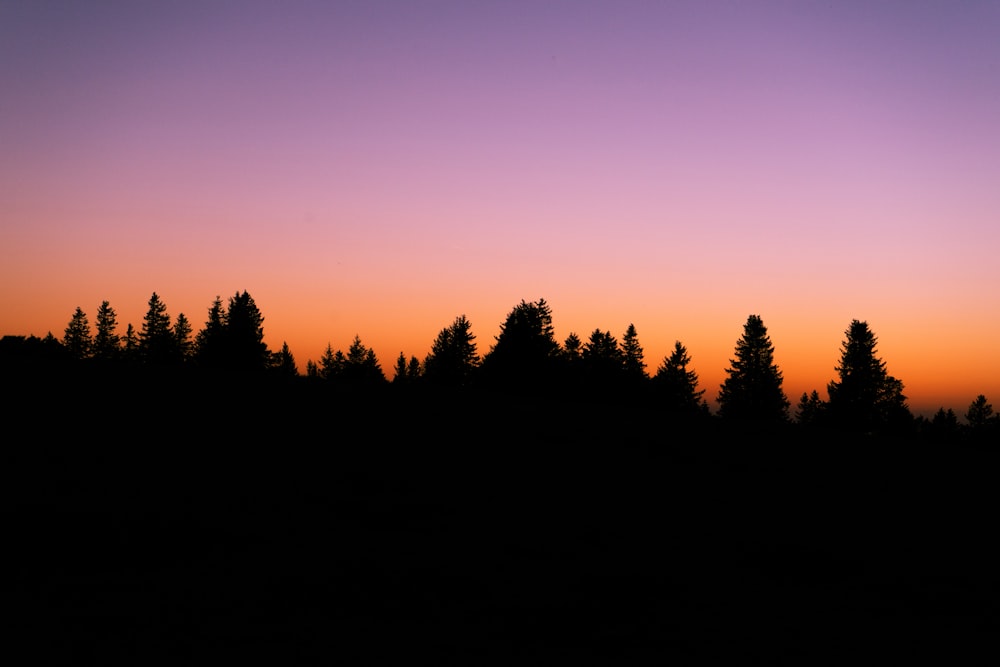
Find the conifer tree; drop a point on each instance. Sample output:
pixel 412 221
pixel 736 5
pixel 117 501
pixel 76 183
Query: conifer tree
pixel 635 364
pixel 980 413
pixel 130 343
pixel 107 342
pixel 182 337
pixel 245 349
pixel 865 397
pixel 157 344
pixel 526 352
pixel 752 390
pixel 676 385
pixel 283 362
pixel 453 358
pixel 810 409
pixel 210 344
pixel 77 339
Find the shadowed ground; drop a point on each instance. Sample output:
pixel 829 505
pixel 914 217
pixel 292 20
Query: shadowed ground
pixel 308 527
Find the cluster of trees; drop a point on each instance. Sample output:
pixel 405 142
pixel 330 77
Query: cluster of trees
pixel 526 358
pixel 232 339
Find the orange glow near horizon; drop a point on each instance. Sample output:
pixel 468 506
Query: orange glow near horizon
pixel 678 166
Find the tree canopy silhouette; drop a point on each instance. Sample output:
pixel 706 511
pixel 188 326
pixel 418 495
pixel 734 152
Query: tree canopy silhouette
pixel 865 397
pixel 676 386
pixel 752 390
pixel 526 351
pixel 453 358
pixel 76 338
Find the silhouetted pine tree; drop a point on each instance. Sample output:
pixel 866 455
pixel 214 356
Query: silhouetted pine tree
pixel 453 358
pixel 283 362
pixel 979 413
pixel 362 367
pixel 635 364
pixel 331 364
pixel 603 361
pixel 865 397
pixel 182 337
pixel 107 342
pixel 752 389
pixel 809 411
pixel 157 344
pixel 676 387
pixel 406 372
pixel 526 354
pixel 130 344
pixel 77 339
pixel 245 350
pixel 210 344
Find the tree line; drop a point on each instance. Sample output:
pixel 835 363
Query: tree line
pixel 524 359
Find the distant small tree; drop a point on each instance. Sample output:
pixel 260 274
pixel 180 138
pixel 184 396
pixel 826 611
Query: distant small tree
pixel 312 370
pixel 362 366
pixel 526 353
pixel 107 342
pixel 810 409
pixel 752 390
pixel 453 358
pixel 406 371
pixel 979 414
pixel 210 344
pixel 331 364
pixel 635 364
pixel 130 343
pixel 157 344
pixel 414 371
pixel 77 339
pixel 182 337
pixel 944 426
pixel 676 386
pixel 865 397
pixel 603 360
pixel 572 348
pixel 283 362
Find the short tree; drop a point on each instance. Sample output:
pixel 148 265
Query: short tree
pixel 752 390
pixel 980 413
pixel 676 386
pixel 810 409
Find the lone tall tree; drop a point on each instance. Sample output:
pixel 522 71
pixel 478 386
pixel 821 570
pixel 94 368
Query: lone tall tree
pixel 752 389
pixel 865 397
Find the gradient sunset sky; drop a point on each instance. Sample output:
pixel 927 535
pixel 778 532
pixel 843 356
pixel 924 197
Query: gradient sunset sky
pixel 378 168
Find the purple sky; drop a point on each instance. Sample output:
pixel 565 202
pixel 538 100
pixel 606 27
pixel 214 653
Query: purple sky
pixel 381 167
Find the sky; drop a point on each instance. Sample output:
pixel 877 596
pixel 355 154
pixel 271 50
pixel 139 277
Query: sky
pixel 377 168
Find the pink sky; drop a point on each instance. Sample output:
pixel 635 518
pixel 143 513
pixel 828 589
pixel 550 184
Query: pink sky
pixel 377 168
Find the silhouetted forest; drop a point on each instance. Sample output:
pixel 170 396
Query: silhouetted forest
pixel 195 496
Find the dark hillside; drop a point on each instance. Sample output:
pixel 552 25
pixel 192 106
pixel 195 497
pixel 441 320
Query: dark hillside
pixel 199 519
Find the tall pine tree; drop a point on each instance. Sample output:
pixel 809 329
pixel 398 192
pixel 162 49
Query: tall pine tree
pixel 752 390
pixel 865 397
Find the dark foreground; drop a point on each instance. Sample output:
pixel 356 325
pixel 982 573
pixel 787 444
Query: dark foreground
pixel 156 526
